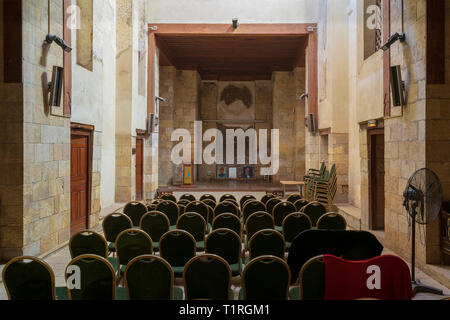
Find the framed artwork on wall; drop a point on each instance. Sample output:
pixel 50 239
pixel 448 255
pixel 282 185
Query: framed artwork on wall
pixel 187 174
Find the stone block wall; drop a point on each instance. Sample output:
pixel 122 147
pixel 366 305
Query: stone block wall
pixel 46 148
pixel 405 136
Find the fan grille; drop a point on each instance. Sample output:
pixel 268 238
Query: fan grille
pixel 428 185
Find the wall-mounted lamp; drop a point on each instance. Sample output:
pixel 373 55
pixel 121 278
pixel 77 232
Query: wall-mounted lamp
pixel 55 87
pixel 50 38
pixel 372 124
pixel 235 23
pixel 394 38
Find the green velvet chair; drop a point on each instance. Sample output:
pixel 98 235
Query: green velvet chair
pixel 135 210
pixel 227 221
pixel 112 225
pixel 271 203
pixel 299 204
pixel 149 277
pixel 90 242
pixel 294 198
pixel 294 224
pixel 281 211
pixel 332 221
pixel 132 243
pixel 252 207
pixel 227 197
pixel 314 211
pixel 198 207
pixel 265 278
pixel 188 196
pixel 266 242
pixel 195 224
pixel 265 198
pixel 207 276
pixel 256 222
pixel 210 216
pixel 177 247
pixel 226 244
pixel 168 196
pixel 208 197
pixel 155 224
pixel 97 278
pixel 226 207
pixel 28 278
pixel 171 210
pixel 311 281
pixel 244 199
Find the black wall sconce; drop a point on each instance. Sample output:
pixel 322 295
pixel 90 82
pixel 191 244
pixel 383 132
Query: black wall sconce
pixel 235 23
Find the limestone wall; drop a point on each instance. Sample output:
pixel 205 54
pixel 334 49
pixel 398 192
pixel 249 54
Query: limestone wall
pixel 46 148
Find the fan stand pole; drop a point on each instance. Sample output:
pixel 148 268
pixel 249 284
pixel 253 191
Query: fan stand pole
pixel 417 286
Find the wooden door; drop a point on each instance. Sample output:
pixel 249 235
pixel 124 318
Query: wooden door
pixel 376 179
pixel 139 168
pixel 79 181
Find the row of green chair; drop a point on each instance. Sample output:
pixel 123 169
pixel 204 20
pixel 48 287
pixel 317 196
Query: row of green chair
pixel 146 277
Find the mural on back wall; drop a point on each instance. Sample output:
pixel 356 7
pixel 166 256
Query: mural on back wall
pixel 236 103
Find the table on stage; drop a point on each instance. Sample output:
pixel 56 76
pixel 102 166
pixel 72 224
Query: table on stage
pixel 299 184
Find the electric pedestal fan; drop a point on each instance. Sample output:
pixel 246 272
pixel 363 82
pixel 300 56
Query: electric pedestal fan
pixel 423 201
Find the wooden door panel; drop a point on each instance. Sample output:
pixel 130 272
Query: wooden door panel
pixel 79 182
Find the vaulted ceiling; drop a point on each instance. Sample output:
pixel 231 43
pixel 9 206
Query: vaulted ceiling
pixel 232 57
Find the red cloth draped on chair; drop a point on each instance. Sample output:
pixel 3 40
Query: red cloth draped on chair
pixel 385 277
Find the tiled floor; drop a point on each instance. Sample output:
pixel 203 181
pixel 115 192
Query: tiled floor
pixel 58 261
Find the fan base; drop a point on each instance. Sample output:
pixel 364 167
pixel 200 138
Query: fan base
pixel 418 287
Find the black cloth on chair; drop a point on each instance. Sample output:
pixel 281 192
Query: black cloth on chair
pixel 349 245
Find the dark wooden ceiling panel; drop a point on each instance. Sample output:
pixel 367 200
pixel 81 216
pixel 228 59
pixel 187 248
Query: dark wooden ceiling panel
pixel 232 57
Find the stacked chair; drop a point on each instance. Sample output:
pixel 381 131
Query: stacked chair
pixel 321 185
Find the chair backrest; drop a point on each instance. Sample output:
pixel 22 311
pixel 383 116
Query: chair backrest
pixel 155 224
pixel 312 279
pixel 170 209
pixel 233 202
pixel 294 224
pixel 209 202
pixel 281 211
pixel 271 203
pixel 245 198
pixel 225 243
pixel 227 221
pixel 193 223
pixel 266 278
pixel 88 242
pixel 181 209
pixel 132 243
pixel 198 207
pixel 208 197
pixel 258 221
pixel 183 202
pixel 251 207
pixel 314 211
pixel 28 278
pixel 226 207
pixel 351 280
pixel 168 196
pixel 97 278
pixel 135 210
pixel 293 198
pixel 267 242
pixel 299 204
pixel 210 213
pixel 267 197
pixel 177 247
pixel 227 197
pixel 207 276
pixel 188 196
pixel 149 277
pixel 115 223
pixel 332 221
